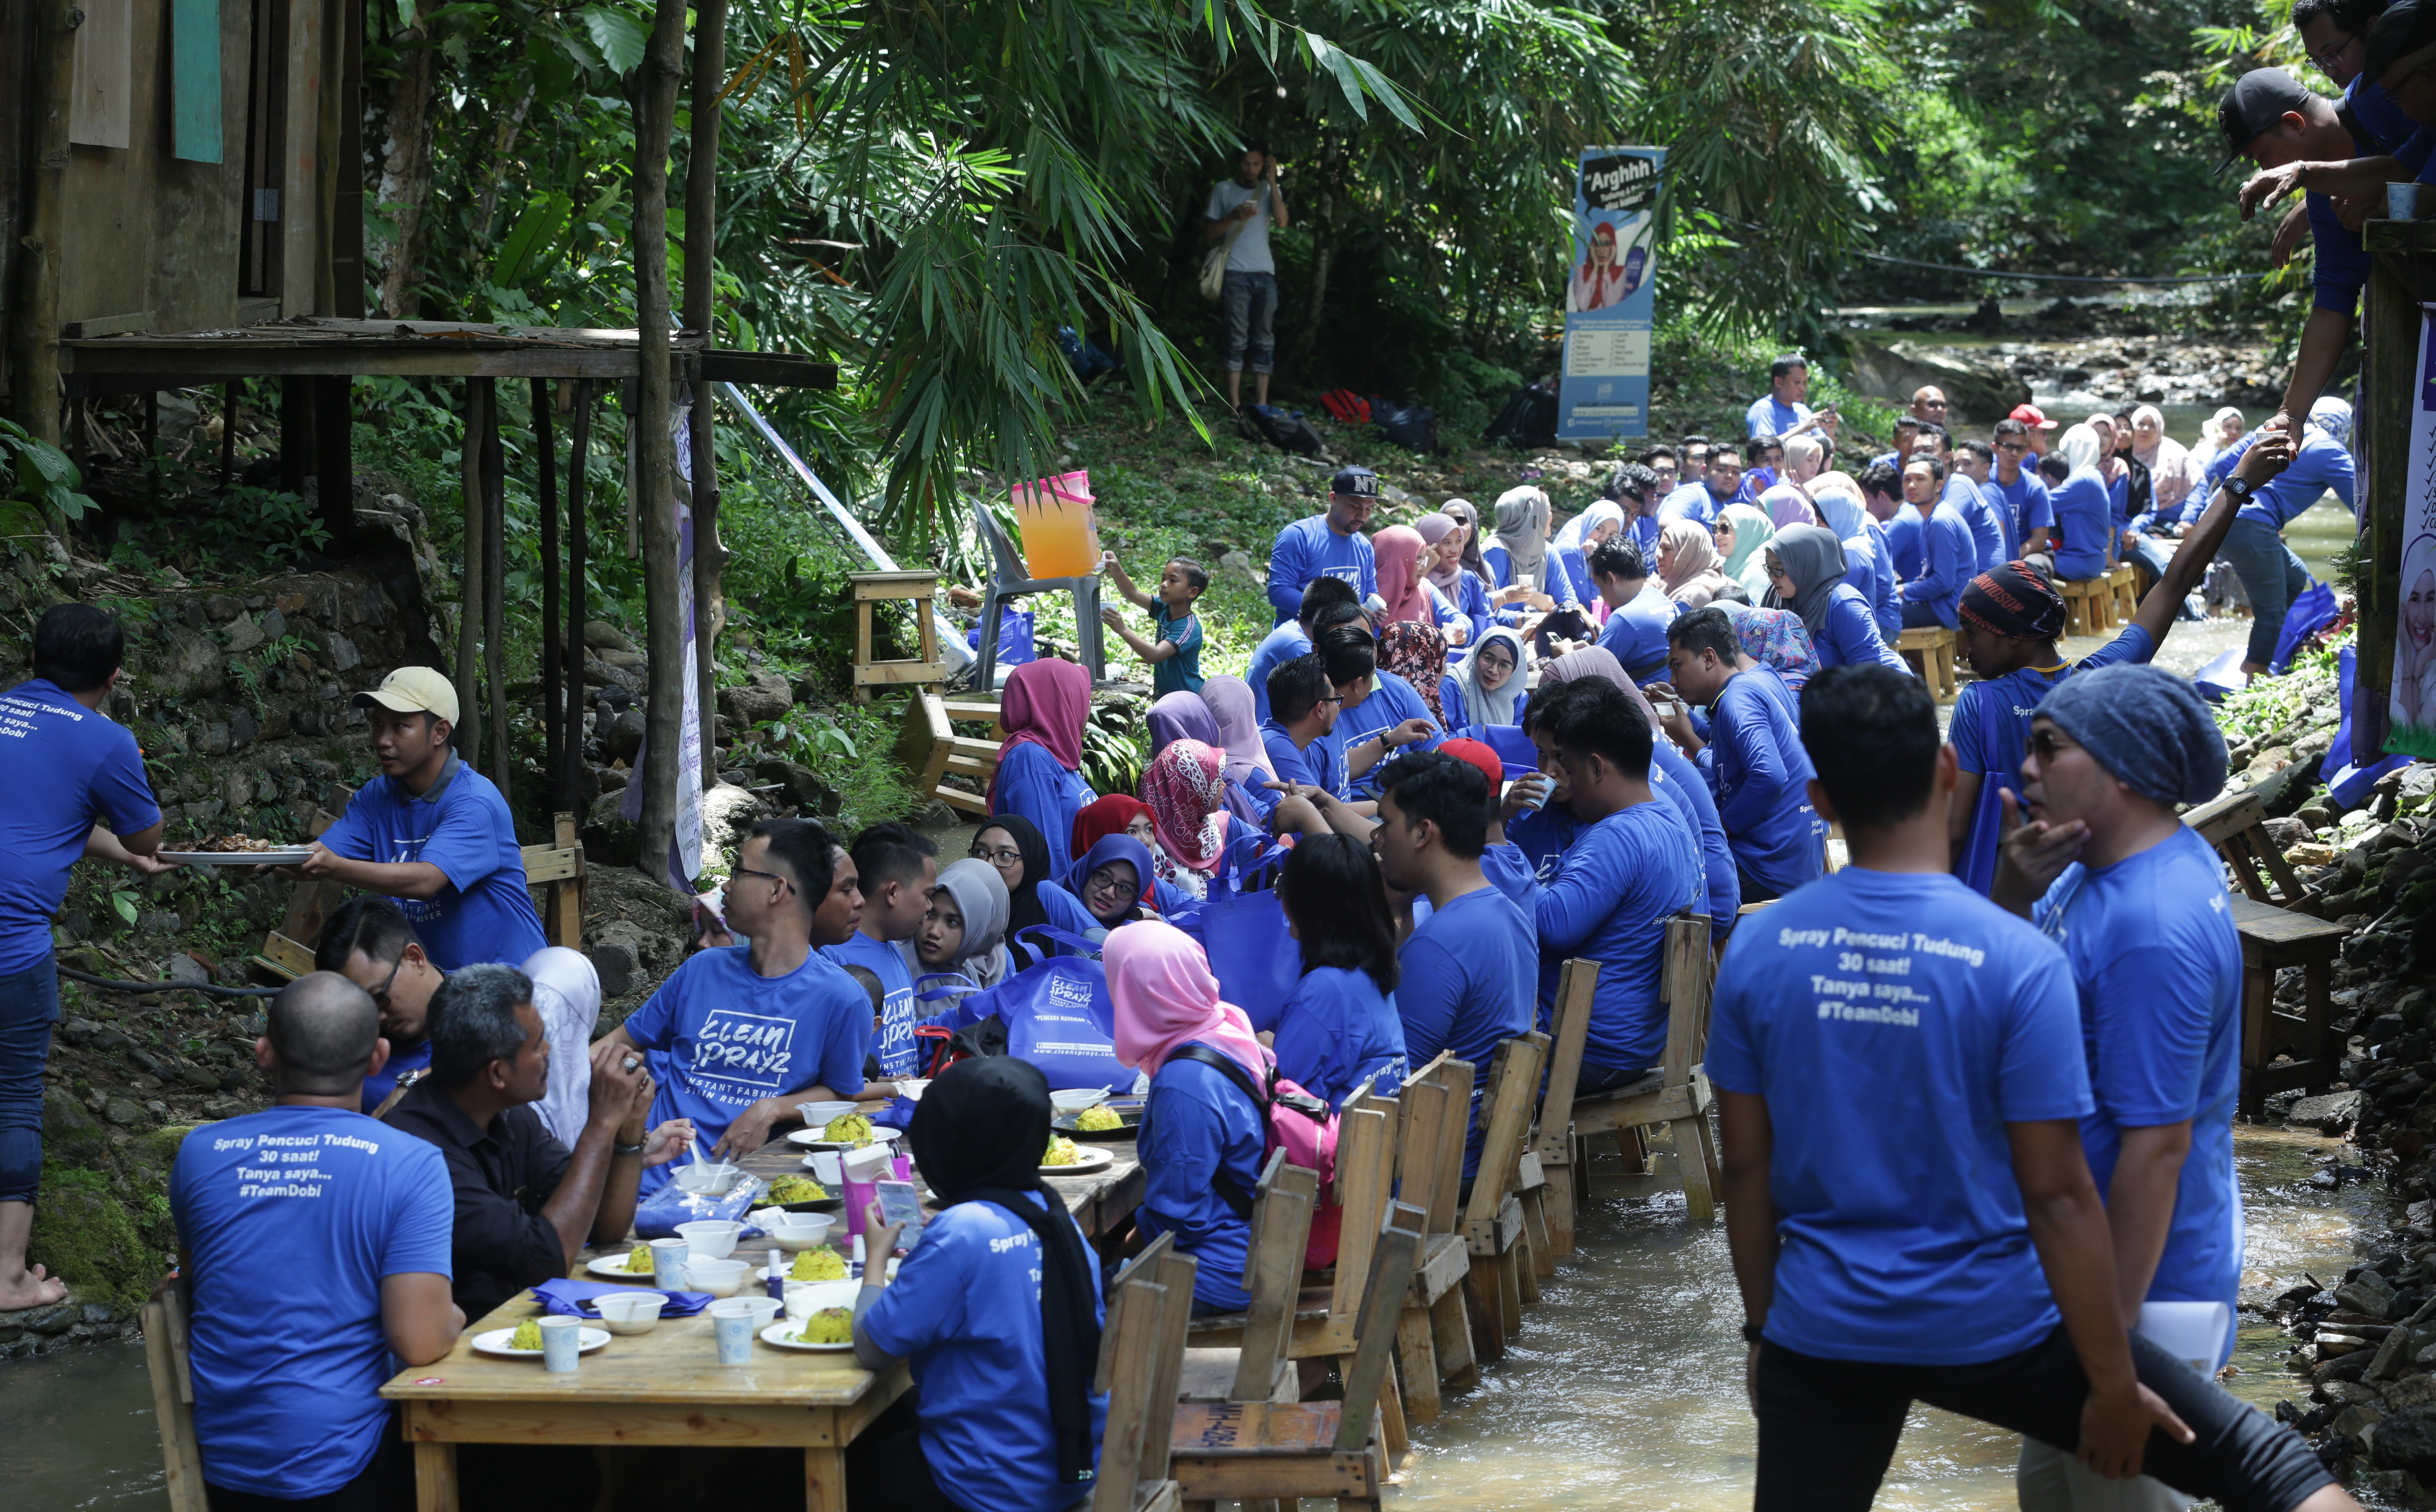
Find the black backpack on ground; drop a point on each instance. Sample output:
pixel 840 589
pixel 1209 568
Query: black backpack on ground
pixel 1415 428
pixel 1279 428
pixel 1527 420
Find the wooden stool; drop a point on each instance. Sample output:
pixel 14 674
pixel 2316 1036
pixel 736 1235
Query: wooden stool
pixel 556 872
pixel 2236 824
pixel 1930 651
pixel 2126 585
pixel 929 748
pixel 2084 604
pixel 1678 1092
pixel 1504 1277
pixel 918 588
pixel 2272 939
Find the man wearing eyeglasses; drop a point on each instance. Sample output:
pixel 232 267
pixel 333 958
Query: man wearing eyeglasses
pixel 737 1036
pixel 2029 515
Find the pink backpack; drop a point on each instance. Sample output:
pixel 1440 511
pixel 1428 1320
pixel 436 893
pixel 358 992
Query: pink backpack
pixel 1298 1124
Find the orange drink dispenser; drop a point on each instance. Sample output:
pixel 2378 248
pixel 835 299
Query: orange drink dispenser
pixel 1061 535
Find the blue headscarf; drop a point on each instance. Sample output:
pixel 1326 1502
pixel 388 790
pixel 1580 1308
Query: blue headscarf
pixel 1118 847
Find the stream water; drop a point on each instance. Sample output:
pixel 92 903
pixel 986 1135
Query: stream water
pixel 1625 1388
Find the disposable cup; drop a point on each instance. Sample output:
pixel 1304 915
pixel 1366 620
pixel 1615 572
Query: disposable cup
pixel 732 1324
pixel 2402 201
pixel 667 1263
pixel 562 1344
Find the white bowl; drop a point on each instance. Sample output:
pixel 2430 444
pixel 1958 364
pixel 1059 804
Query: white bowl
pixel 817 1114
pixel 912 1087
pixel 710 1238
pixel 708 1178
pixel 828 1167
pixel 764 1307
pixel 630 1311
pixel 795 1231
pixel 1075 1102
pixel 719 1277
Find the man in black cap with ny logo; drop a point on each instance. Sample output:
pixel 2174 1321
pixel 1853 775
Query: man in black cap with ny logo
pixel 1326 546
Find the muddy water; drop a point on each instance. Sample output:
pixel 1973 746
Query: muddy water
pixel 1625 1386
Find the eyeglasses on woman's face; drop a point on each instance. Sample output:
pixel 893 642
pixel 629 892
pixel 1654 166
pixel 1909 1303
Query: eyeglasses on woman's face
pixel 1113 886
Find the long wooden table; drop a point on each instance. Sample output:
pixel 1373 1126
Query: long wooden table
pixel 667 1388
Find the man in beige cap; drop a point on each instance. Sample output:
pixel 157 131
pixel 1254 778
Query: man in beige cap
pixel 431 832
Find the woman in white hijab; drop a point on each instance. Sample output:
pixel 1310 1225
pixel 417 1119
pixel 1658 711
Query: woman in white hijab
pixel 2168 462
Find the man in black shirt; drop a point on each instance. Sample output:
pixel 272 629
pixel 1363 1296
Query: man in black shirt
pixel 526 1204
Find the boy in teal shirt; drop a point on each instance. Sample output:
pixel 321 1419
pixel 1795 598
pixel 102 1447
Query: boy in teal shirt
pixel 1173 649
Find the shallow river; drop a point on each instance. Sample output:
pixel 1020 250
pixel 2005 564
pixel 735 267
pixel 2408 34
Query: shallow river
pixel 1624 1389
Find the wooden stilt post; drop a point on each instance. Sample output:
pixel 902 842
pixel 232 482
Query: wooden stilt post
pixel 553 646
pixel 701 264
pixel 653 446
pixel 495 587
pixel 34 325
pixel 470 596
pixel 229 413
pixel 578 451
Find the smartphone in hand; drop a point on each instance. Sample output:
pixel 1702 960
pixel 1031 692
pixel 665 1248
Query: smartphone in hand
pixel 900 1202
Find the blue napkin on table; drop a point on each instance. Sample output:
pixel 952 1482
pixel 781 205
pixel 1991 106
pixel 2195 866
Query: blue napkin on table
pixel 567 1298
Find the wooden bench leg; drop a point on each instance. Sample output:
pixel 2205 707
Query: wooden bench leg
pixel 1635 1148
pixel 1691 1150
pixel 1418 1357
pixel 1528 1267
pixel 2257 995
pixel 1534 1225
pixel 1559 1202
pixel 1451 1332
pixel 2318 982
pixel 1945 671
pixel 1393 1433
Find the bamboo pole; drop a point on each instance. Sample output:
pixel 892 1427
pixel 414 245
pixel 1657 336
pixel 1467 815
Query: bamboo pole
pixel 553 644
pixel 579 453
pixel 470 595
pixel 494 588
pixel 700 267
pixel 35 379
pixel 654 451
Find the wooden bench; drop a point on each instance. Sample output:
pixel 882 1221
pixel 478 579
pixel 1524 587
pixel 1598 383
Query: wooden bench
pixel 1256 1367
pixel 1434 1332
pixel 929 748
pixel 1930 651
pixel 2124 585
pixel 2236 824
pixel 2272 939
pixel 874 588
pixel 165 1320
pixel 2086 605
pixel 1677 1093
pixel 1552 1149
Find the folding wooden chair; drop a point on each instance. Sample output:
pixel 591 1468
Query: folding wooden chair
pixel 1677 1093
pixel 1141 1354
pixel 165 1320
pixel 1434 1331
pixel 1502 1275
pixel 1257 1367
pixel 556 872
pixel 2236 826
pixel 1257 1452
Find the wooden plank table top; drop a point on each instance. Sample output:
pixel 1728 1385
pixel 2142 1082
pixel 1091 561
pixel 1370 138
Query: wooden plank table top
pixel 1100 1200
pixel 2270 925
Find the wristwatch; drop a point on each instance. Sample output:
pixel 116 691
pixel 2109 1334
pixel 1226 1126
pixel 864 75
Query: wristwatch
pixel 2238 487
pixel 636 1148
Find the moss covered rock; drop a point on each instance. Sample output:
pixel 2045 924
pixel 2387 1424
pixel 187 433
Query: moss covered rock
pixel 108 1235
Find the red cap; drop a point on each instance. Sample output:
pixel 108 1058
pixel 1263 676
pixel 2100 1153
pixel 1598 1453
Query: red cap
pixel 1480 755
pixel 2032 416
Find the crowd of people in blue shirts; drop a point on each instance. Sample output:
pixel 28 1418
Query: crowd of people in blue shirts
pixel 1966 1136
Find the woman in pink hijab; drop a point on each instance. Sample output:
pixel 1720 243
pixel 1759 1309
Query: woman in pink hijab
pixel 1039 762
pixel 1202 1133
pixel 1398 551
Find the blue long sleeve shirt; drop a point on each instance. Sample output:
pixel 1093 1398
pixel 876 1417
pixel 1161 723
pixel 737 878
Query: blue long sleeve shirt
pixel 1392 700
pixel 1884 592
pixel 1850 633
pixel 1281 646
pixel 1759 773
pixel 1309 548
pixel 1031 783
pixel 1636 631
pixel 1987 530
pixel 2022 506
pixel 2340 266
pixel 1470 975
pixel 1904 542
pixel 2084 514
pixel 1673 777
pixel 1195 1124
pixel 1620 881
pixel 1693 501
pixel 1948 558
pixel 2321 465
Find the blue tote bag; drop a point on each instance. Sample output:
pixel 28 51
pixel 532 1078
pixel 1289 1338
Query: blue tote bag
pixel 1242 929
pixel 1057 1015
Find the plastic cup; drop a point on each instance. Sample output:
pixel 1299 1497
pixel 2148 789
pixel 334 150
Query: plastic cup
pixel 562 1344
pixel 667 1263
pixel 2402 201
pixel 731 1323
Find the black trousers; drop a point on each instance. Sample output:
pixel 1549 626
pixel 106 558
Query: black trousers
pixel 386 1484
pixel 1827 1427
pixel 885 1466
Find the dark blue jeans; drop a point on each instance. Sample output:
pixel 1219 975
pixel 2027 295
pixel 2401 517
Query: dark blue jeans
pixel 29 1005
pixel 2272 577
pixel 1252 304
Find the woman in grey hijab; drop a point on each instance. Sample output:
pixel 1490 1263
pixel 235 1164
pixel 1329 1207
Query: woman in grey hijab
pixel 1522 535
pixel 1806 570
pixel 965 929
